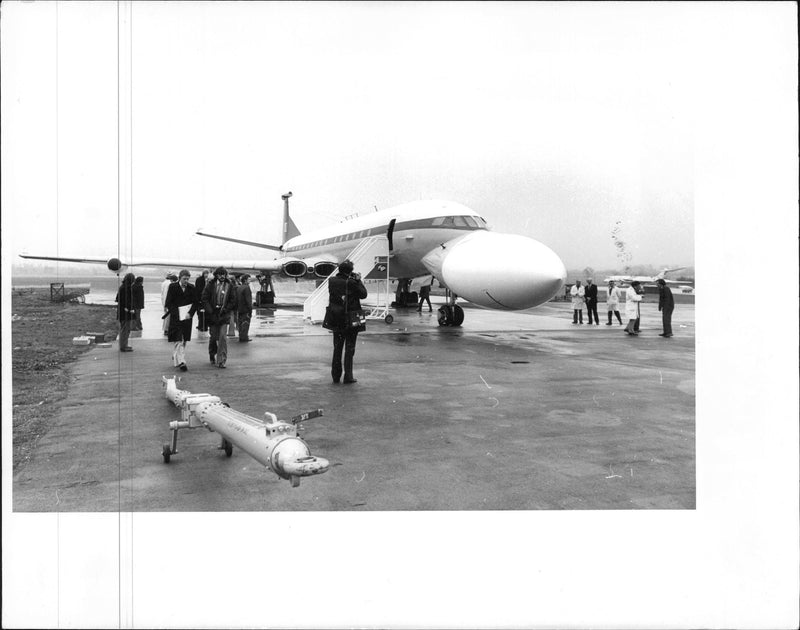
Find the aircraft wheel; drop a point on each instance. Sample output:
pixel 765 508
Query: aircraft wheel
pixel 166 451
pixel 458 316
pixel 228 448
pixel 445 315
pixel 388 319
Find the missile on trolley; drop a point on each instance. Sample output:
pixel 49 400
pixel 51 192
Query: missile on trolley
pixel 273 443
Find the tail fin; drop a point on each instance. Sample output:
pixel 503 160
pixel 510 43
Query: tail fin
pixel 666 271
pixel 289 228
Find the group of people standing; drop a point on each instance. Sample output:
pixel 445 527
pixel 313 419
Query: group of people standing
pixel 633 296
pixel 222 301
pixel 226 303
pixel 219 303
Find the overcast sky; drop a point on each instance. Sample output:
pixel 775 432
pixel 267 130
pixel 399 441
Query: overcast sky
pixel 556 122
pixel 674 122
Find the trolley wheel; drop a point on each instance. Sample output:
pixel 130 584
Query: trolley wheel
pixel 228 448
pixel 166 451
pixel 458 316
pixel 388 319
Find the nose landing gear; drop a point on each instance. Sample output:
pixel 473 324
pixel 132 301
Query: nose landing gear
pixel 451 314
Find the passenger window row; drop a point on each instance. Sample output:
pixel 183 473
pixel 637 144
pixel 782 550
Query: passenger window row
pixel 449 221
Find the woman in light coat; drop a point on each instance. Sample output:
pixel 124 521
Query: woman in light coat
pixel 578 294
pixel 632 299
pixel 612 302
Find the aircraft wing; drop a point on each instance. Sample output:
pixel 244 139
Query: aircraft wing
pixel 288 267
pixel 116 264
pixel 66 259
pixel 240 241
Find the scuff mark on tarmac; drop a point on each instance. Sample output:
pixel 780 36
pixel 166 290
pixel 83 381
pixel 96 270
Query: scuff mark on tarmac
pixel 612 475
pixel 363 476
pixel 484 381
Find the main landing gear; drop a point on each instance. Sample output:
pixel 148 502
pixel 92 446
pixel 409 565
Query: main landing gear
pixel 451 314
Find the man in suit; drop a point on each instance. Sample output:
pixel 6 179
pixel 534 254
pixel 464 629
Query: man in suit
pixel 590 293
pixel 666 304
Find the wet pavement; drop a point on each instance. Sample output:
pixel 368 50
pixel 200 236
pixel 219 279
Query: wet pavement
pixel 512 411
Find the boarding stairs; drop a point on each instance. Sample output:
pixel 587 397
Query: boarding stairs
pixel 369 258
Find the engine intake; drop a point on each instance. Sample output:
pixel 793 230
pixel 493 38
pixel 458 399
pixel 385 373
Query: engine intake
pixel 324 269
pixel 295 268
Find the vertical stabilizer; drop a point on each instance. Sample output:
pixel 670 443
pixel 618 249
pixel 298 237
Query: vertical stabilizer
pixel 664 272
pixel 289 228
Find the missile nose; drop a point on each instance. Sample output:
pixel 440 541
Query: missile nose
pixel 503 271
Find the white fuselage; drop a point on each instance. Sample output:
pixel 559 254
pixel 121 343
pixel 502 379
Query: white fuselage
pixel 454 244
pixel 419 227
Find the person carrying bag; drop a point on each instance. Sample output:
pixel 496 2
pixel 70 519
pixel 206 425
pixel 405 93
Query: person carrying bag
pixel 345 319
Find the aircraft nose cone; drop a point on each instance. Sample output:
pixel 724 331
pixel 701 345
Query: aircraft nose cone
pixel 503 271
pixel 547 276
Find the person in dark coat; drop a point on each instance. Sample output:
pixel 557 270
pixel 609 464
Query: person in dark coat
pixel 125 310
pixel 244 307
pixel 181 305
pixel 231 328
pixel 199 285
pixel 138 303
pixel 219 301
pixel 425 296
pixel 666 304
pixel 345 290
pixel 590 293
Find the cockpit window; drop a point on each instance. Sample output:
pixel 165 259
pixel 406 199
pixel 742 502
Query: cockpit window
pixel 464 221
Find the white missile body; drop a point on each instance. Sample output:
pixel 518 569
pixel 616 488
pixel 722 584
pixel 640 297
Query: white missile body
pixel 273 444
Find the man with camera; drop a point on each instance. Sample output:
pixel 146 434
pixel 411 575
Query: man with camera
pixel 345 292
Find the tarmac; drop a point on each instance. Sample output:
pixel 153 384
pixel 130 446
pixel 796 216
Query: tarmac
pixel 511 411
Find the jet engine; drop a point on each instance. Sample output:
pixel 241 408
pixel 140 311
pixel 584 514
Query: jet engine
pixel 324 268
pixel 294 268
